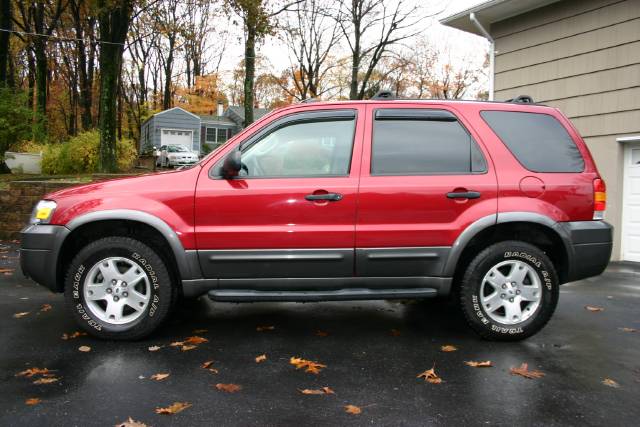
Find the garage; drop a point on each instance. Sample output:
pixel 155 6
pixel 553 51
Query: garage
pixel 177 136
pixel 631 201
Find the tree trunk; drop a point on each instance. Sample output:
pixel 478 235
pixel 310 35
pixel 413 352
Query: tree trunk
pixel 5 22
pixel 42 71
pixel 355 62
pixel 249 77
pixel 168 71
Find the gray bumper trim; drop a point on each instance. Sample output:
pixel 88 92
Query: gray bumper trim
pixel 40 247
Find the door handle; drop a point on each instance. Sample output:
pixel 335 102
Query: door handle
pixel 331 197
pixel 464 195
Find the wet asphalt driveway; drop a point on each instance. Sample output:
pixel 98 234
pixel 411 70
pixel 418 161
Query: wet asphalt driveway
pixel 372 352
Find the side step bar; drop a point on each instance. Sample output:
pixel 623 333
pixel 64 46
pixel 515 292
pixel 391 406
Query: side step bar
pixel 239 295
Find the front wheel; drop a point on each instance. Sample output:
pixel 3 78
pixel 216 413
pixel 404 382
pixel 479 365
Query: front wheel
pixel 509 291
pixel 119 288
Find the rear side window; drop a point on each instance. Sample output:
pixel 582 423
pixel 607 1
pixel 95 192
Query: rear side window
pixel 538 141
pixel 422 142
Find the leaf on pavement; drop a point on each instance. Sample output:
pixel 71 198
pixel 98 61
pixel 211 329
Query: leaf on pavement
pixel 310 366
pixel 84 348
pixel 320 391
pixel 395 332
pixel 628 329
pixel 160 376
pixel 155 348
pixel 261 358
pixel 46 380
pixel 448 348
pixel 6 271
pixel 195 340
pixel 174 408
pixel 524 371
pixel 188 347
pixel 322 333
pixel 265 328
pixel 430 376
pixel 45 307
pixel 20 315
pixel 130 422
pixel 208 365
pixel 352 409
pixel 611 383
pixel 229 388
pixel 593 308
pixel 32 401
pixel 474 364
pixel 73 335
pixel 33 371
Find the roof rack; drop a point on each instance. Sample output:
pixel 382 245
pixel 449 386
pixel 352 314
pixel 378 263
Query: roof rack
pixel 384 94
pixel 521 99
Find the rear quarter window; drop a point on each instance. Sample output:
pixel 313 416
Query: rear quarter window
pixel 538 141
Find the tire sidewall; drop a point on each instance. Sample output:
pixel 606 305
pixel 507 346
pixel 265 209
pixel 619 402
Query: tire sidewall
pixel 150 263
pixel 517 251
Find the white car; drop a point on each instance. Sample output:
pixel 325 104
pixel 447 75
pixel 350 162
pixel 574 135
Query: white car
pixel 176 155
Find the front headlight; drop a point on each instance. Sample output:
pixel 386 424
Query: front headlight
pixel 43 212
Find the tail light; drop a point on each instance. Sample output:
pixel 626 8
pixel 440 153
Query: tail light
pixel 599 198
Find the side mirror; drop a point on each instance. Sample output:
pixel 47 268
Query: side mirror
pixel 232 164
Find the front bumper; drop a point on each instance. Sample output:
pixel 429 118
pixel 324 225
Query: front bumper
pixel 182 162
pixel 39 251
pixel 589 247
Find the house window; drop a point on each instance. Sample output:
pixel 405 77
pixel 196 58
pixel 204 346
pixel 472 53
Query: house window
pixel 211 135
pixel 222 135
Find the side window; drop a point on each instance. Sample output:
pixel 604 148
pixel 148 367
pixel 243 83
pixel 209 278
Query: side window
pixel 422 142
pixel 302 149
pixel 538 141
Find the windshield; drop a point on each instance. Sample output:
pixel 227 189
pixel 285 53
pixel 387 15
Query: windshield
pixel 177 149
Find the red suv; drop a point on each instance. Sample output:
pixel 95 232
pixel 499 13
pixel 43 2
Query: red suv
pixel 493 204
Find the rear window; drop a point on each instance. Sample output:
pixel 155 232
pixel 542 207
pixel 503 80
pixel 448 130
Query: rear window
pixel 415 142
pixel 538 141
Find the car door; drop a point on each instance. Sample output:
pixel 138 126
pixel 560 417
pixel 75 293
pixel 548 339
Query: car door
pixel 291 212
pixel 425 178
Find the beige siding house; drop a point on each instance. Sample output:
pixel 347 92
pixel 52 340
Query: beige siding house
pixel 582 56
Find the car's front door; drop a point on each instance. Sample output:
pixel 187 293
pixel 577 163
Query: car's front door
pixel 291 211
pixel 425 178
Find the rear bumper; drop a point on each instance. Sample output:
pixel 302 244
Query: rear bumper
pixel 589 248
pixel 40 247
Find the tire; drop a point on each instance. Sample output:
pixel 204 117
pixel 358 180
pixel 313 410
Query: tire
pixel 96 281
pixel 517 304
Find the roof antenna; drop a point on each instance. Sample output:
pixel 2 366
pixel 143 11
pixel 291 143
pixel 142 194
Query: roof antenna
pixel 384 94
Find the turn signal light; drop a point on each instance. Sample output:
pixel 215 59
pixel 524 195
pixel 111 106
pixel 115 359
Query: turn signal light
pixel 599 198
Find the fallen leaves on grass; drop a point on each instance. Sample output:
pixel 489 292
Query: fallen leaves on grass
pixel 155 348
pixel 174 408
pixel 265 328
pixel 160 376
pixel 322 333
pixel 45 307
pixel 32 401
pixel 430 376
pixel 261 358
pixel 46 380
pixel 73 335
pixel 310 366
pixel 448 348
pixel 21 315
pixel 84 348
pixel 33 371
pixel 352 409
pixel 130 422
pixel 524 371
pixel 319 391
pixel 474 364
pixel 593 308
pixel 611 383
pixel 628 329
pixel 229 388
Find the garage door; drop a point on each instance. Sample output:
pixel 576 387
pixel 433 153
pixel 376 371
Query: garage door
pixel 631 205
pixel 175 136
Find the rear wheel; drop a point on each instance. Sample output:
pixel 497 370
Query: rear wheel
pixel 119 288
pixel 509 291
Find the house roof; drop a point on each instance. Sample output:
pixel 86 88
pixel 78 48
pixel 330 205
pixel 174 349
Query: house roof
pixel 492 11
pixel 216 120
pixel 237 112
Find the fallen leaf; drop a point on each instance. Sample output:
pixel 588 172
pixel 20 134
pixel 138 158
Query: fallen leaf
pixel 430 376
pixel 200 331
pixel 33 371
pixel 229 388
pixel 84 348
pixel 611 383
pixel 32 401
pixel 323 390
pixel 188 347
pixel 524 371
pixel 6 270
pixel 352 409
pixel 395 332
pixel 208 365
pixel 195 340
pixel 311 367
pixel 155 348
pixel 322 333
pixel 593 308
pixel 160 377
pixel 628 329
pixel 265 328
pixel 130 423
pixel 20 315
pixel 261 358
pixel 448 348
pixel 174 408
pixel 485 364
pixel 73 335
pixel 46 380
pixel 45 307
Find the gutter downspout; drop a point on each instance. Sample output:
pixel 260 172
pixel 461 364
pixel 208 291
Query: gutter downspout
pixel 492 52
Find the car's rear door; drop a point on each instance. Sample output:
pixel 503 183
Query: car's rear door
pixel 425 178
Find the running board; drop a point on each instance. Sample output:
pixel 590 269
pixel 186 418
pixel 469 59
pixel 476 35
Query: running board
pixel 238 295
